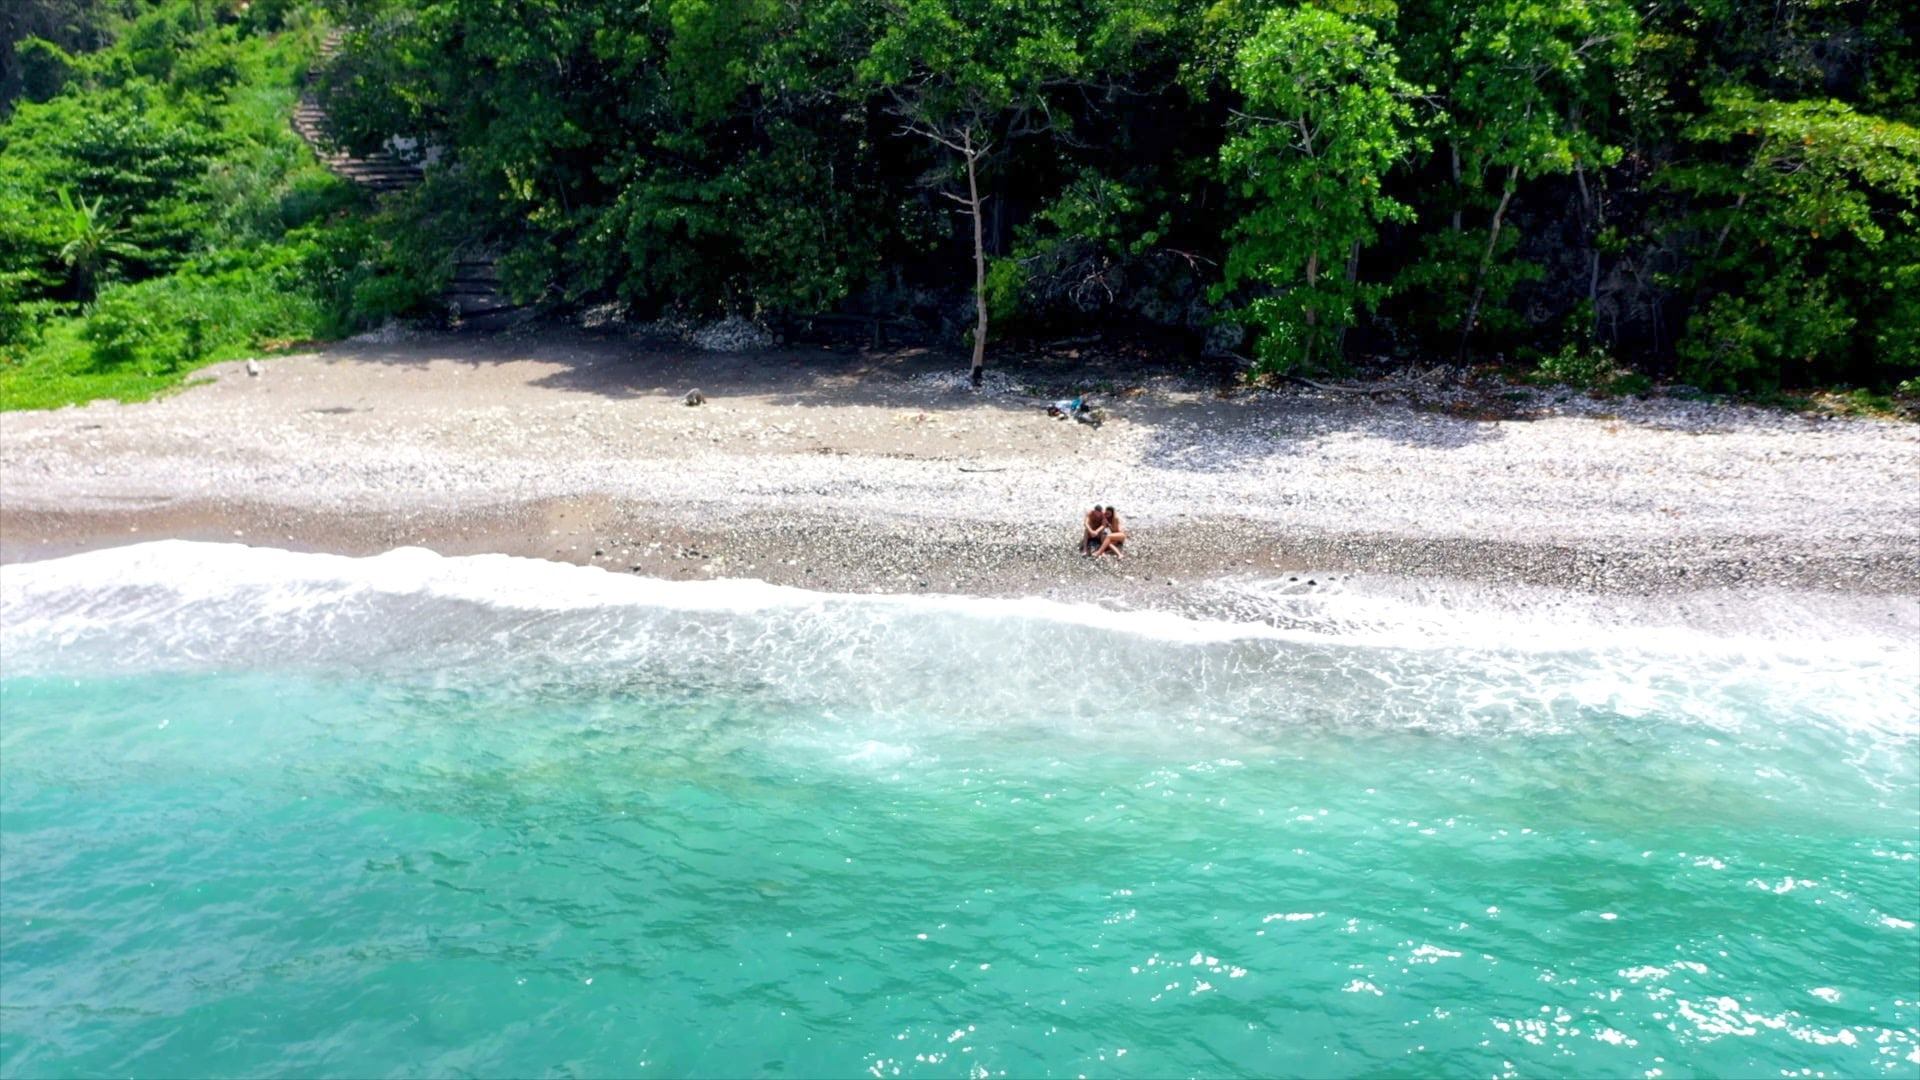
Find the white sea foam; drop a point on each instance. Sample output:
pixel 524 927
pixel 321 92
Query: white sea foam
pixel 1404 613
pixel 1266 657
pixel 285 581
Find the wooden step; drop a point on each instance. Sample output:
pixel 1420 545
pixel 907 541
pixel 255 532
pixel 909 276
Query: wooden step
pixel 379 172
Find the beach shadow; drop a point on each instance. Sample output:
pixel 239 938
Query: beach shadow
pixel 1194 413
pixel 612 365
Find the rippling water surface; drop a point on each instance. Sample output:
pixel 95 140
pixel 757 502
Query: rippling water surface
pixel 262 812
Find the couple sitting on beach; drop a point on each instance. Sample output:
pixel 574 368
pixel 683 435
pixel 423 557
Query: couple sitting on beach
pixel 1101 533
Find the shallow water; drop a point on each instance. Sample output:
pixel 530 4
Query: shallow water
pixel 262 812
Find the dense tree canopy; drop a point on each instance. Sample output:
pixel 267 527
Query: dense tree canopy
pixel 1715 191
pixel 1327 118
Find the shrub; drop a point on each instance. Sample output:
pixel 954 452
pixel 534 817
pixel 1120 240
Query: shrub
pixel 1590 368
pixel 1757 343
pixel 361 272
pixel 1863 402
pixel 223 305
pixel 17 323
pixel 123 332
pixel 44 68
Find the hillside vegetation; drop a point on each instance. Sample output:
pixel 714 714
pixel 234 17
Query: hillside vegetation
pixel 1716 192
pixel 157 212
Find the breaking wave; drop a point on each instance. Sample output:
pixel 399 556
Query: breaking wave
pixel 1261 659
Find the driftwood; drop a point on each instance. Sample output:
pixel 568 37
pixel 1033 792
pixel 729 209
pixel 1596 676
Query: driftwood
pixel 858 320
pixel 1370 391
pixel 1070 342
pixel 1433 375
pixel 967 468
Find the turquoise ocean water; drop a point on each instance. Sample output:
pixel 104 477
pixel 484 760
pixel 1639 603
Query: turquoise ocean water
pixel 275 813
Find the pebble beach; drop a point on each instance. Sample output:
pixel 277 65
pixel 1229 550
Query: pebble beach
pixel 886 472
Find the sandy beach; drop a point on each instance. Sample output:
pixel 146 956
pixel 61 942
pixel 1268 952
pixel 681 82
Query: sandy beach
pixel 856 471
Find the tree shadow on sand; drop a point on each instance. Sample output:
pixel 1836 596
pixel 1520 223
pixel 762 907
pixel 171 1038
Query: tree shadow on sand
pixel 611 365
pixel 1195 417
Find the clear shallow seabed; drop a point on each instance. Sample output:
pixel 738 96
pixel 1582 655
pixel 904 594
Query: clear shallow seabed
pixel 274 813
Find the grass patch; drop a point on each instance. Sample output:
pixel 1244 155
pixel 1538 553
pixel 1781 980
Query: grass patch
pixel 62 371
pixel 210 231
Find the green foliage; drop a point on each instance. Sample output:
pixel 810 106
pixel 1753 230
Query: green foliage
pixel 1705 194
pixel 1522 89
pixel 1328 120
pixel 39 40
pixel 1772 334
pixel 157 213
pixel 1454 264
pixel 1589 368
pixel 90 240
pixel 20 318
pixel 355 272
pixel 216 309
pixel 1804 235
pixel 1097 243
pixel 1006 287
pixel 1521 70
pixel 1863 402
pixel 44 68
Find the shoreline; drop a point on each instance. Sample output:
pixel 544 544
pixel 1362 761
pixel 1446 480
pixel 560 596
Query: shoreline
pixel 854 472
pixel 1462 594
pixel 848 552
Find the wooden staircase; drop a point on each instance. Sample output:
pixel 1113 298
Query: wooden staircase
pixel 473 297
pixel 379 172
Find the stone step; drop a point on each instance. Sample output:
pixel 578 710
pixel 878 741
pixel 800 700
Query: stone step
pixel 473 291
pixel 379 172
pixel 475 311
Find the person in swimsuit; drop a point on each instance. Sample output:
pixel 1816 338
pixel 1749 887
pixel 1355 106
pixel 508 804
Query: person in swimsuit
pixel 1093 531
pixel 1115 534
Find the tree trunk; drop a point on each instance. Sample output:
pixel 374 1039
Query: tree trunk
pixel 977 374
pixel 1455 148
pixel 1592 222
pixel 1593 294
pixel 1353 275
pixel 1313 321
pixel 1486 260
pixel 1721 240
